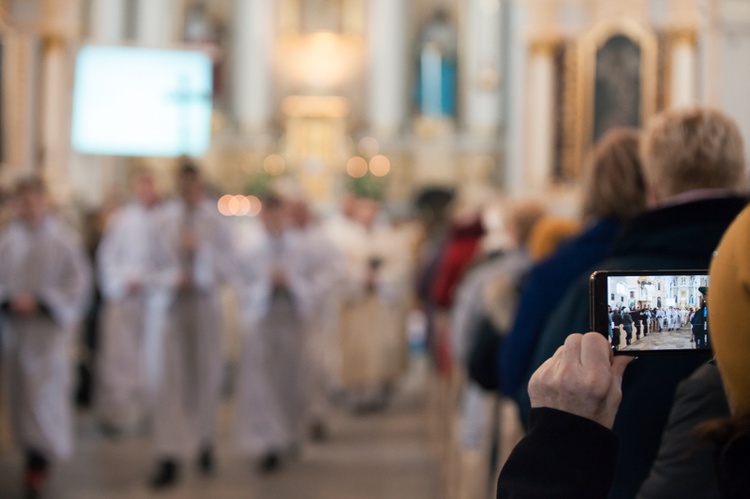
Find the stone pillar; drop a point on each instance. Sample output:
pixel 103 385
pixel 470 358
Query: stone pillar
pixel 539 142
pixel 389 54
pixel 482 70
pixel 60 27
pixel 684 71
pixel 107 21
pixel 155 22
pixel 55 131
pixel 23 53
pixel 251 78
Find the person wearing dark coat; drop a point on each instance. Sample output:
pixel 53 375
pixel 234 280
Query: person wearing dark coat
pixel 627 325
pixel 614 191
pixel 692 184
pixel 571 452
pixel 698 324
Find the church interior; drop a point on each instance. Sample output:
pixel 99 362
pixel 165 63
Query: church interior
pixel 485 102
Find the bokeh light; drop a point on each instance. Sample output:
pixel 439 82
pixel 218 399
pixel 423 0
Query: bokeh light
pixel 368 146
pixel 223 205
pixel 255 206
pixel 274 164
pixel 380 166
pixel 357 167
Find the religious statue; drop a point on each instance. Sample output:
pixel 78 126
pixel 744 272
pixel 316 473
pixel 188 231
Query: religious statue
pixel 436 77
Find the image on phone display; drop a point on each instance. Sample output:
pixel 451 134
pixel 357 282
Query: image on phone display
pixel 651 311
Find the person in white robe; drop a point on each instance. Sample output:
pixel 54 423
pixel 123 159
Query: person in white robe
pixel 277 297
pixel 373 308
pixel 321 353
pixel 201 256
pixel 45 286
pixel 131 281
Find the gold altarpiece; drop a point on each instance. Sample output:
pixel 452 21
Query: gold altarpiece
pixel 622 57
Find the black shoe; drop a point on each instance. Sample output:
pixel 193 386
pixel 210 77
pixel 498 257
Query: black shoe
pixel 166 474
pixel 206 461
pixel 269 463
pixel 33 483
pixel 36 474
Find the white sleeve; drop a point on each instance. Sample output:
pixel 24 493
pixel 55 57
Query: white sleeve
pixel 68 298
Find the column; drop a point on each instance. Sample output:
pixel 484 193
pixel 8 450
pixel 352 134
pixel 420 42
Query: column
pixel 55 123
pixel 684 70
pixel 251 77
pixel 540 133
pixel 23 54
pixel 107 21
pixel 388 62
pixel 60 26
pixel 482 70
pixel 155 22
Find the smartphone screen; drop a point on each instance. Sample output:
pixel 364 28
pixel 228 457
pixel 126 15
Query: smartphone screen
pixel 651 311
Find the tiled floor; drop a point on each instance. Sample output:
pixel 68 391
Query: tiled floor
pixel 384 455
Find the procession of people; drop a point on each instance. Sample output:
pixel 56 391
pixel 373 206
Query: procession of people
pixel 321 314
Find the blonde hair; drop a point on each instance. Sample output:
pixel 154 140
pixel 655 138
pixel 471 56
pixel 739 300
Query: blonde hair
pixel 693 149
pixel 548 234
pixel 613 183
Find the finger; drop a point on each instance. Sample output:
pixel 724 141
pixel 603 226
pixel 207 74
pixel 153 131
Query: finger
pixel 595 350
pixel 572 349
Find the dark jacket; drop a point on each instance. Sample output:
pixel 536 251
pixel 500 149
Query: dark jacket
pixel 683 466
pixel 568 456
pixel 664 238
pixel 543 288
pixel 562 456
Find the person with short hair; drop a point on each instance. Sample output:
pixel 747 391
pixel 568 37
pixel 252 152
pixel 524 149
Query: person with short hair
pixel 681 230
pixel 130 279
pixel 45 285
pixel 571 451
pixel 199 257
pixel 613 192
pixel 277 296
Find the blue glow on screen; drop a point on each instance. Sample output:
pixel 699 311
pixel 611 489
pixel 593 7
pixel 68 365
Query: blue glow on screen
pixel 132 101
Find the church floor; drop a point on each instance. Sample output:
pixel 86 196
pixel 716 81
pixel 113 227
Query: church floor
pixel 382 455
pixel 665 340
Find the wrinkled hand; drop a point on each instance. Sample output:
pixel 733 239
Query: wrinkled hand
pixel 134 285
pixel 185 282
pixel 582 378
pixel 24 304
pixel 278 278
pixel 188 242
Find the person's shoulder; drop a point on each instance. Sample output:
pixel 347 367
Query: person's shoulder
pixel 57 230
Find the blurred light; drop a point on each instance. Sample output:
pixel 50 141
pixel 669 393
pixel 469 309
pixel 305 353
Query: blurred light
pixel 239 206
pixel 243 206
pixel 357 167
pixel 368 146
pixel 255 206
pixel 233 205
pixel 380 166
pixel 274 164
pixel 223 205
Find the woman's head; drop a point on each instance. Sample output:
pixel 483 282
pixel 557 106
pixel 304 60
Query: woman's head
pixel 613 183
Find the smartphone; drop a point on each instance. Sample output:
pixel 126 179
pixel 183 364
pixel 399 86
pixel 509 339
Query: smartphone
pixel 651 311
